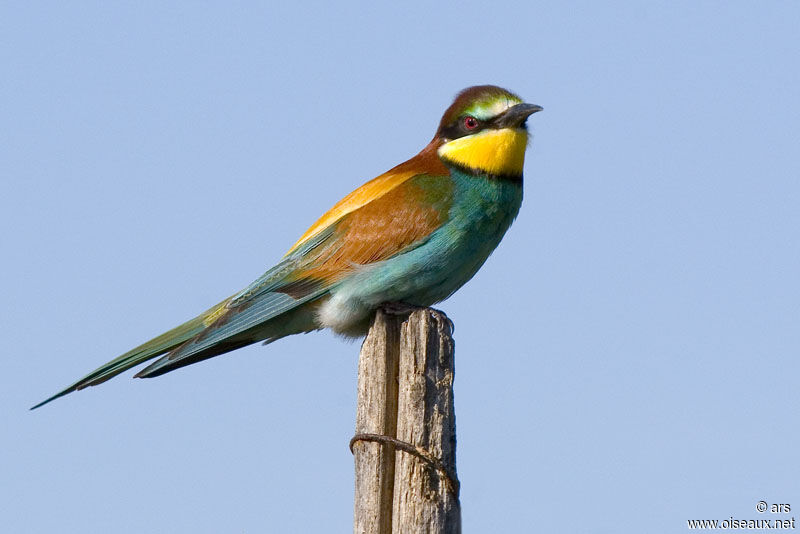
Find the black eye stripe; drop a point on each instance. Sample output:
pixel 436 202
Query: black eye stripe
pixel 458 127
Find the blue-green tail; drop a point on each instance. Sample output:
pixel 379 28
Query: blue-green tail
pixel 147 351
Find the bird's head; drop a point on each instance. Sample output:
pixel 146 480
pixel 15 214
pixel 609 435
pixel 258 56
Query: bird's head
pixel 484 131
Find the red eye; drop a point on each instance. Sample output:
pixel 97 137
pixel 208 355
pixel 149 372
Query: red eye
pixel 470 123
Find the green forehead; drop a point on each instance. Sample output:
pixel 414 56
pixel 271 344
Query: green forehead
pixel 491 106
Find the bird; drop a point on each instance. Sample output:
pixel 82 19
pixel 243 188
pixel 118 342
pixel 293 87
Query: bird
pixel 410 238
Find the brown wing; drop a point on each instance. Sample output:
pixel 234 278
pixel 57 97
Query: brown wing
pixel 400 218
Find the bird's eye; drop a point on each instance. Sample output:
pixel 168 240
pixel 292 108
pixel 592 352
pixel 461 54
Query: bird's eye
pixel 470 123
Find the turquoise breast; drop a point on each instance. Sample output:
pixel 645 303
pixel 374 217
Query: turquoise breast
pixel 481 212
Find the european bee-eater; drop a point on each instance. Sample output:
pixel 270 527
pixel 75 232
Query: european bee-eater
pixel 411 236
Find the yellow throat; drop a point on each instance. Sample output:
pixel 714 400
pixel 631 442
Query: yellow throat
pixel 497 152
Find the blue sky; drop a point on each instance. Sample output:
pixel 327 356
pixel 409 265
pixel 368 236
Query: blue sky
pixel 626 360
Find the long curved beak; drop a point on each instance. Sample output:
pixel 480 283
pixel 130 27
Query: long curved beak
pixel 515 116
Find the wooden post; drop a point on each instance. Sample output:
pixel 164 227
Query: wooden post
pixel 405 442
pixel 376 414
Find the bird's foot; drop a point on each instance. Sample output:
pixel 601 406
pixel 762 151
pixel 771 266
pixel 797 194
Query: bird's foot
pixel 398 308
pixel 402 308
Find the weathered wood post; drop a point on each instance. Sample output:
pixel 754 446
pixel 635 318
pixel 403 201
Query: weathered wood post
pixel 405 442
